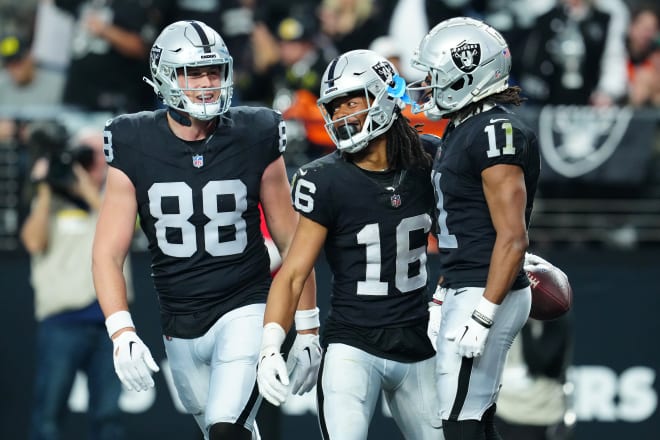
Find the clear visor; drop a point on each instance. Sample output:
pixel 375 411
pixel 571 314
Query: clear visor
pixel 421 95
pixel 427 94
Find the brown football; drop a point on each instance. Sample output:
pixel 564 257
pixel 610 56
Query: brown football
pixel 552 295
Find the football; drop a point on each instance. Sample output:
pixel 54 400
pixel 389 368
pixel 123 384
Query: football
pixel 552 295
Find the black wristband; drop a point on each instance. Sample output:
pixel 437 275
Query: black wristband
pixel 482 319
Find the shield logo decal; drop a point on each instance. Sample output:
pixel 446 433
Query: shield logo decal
pixel 466 56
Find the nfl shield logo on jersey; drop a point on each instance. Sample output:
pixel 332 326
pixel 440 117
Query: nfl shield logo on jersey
pixel 198 160
pixel 395 200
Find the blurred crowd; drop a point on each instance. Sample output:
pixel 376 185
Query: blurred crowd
pixel 89 56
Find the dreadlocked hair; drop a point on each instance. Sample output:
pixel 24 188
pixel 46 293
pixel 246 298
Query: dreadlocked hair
pixel 404 147
pixel 508 96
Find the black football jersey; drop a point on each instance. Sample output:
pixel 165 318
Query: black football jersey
pixel 378 223
pixel 198 206
pixel 466 235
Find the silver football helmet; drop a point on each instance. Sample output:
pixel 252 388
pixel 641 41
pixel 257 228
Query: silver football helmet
pixel 359 72
pixel 183 45
pixel 465 59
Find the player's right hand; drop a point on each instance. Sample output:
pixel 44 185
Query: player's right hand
pixel 272 376
pixel 134 364
pixel 532 260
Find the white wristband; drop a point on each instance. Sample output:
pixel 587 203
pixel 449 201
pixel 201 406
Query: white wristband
pixel 307 319
pixel 118 321
pixel 439 295
pixel 273 335
pixel 484 313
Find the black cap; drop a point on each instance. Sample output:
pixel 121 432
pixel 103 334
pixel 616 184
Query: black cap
pixel 296 28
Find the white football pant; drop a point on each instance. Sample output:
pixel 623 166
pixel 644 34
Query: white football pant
pixel 468 387
pixel 351 382
pixel 221 364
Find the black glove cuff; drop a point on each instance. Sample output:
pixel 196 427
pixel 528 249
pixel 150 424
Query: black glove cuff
pixel 482 319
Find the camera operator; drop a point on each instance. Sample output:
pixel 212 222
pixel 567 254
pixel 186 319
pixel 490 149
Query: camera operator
pixel 58 233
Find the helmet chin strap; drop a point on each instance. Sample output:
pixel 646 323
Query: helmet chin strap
pixel 178 117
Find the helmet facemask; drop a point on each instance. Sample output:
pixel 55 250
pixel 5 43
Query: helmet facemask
pixel 349 133
pixel 207 102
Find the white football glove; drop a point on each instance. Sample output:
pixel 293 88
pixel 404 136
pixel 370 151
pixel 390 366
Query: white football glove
pixel 435 315
pixel 134 364
pixel 304 362
pixel 470 339
pixel 272 376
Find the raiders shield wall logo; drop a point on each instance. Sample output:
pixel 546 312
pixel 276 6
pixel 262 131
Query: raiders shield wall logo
pixel 466 56
pixel 576 140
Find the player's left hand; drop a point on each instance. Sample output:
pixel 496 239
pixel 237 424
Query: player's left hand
pixel 304 362
pixel 470 339
pixel 272 377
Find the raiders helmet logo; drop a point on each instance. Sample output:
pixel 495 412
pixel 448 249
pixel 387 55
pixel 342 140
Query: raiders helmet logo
pixel 154 57
pixel 384 71
pixel 466 56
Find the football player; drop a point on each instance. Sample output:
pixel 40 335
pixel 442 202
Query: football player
pixel 195 173
pixel 369 205
pixel 485 176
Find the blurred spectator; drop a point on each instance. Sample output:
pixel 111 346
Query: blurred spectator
pixel 58 234
pixel 645 85
pixel 574 54
pixel 233 19
pixel 289 58
pixel 389 48
pixel 52 27
pixel 287 75
pixel 408 37
pixel 641 40
pixel 534 402
pixel 22 81
pixel 353 24
pixel 642 34
pixel 109 36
